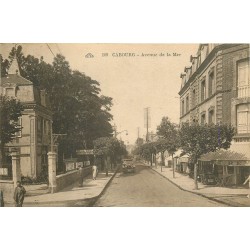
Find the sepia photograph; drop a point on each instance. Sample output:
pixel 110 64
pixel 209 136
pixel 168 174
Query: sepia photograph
pixel 125 125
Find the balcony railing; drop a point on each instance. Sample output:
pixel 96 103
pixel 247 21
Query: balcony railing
pixel 244 91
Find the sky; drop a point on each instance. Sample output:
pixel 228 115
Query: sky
pixel 136 76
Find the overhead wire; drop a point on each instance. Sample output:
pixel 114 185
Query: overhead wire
pixel 50 50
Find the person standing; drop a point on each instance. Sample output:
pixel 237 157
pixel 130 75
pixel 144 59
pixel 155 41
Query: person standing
pixel 19 194
pixel 246 181
pixel 1 199
pixel 81 174
pixel 94 171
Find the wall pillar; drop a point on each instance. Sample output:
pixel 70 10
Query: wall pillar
pixel 16 169
pixel 52 171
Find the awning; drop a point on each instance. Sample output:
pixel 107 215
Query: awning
pixel 226 157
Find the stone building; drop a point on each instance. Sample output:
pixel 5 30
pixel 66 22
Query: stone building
pixel 215 89
pixel 34 140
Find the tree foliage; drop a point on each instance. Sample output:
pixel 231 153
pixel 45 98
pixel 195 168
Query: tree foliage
pixel 110 146
pixel 170 137
pixel 197 140
pixel 79 109
pixel 10 111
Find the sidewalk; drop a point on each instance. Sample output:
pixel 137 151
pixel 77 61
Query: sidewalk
pixel 73 195
pixel 231 196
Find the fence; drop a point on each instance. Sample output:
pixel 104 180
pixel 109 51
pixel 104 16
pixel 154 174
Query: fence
pixel 64 180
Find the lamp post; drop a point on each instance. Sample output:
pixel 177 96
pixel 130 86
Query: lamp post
pixel 117 133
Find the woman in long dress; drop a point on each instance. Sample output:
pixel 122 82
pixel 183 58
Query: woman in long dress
pixel 94 171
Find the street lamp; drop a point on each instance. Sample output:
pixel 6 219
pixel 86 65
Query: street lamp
pixel 117 133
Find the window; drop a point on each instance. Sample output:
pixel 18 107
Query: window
pixel 203 118
pixel 182 107
pixel 10 92
pixel 19 133
pixel 203 90
pixel 243 118
pixel 243 79
pixel 211 84
pixel 187 103
pixel 211 117
pixel 194 98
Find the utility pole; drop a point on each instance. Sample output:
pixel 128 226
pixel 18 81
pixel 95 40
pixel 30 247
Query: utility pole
pixel 138 134
pixel 147 120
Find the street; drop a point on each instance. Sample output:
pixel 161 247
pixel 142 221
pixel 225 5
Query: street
pixel 146 188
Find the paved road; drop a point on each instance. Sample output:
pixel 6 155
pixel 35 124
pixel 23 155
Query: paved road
pixel 146 188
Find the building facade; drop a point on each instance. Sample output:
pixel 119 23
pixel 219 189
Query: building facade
pixel 215 89
pixel 34 140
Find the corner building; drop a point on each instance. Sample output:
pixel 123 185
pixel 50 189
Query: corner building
pixel 215 88
pixel 34 140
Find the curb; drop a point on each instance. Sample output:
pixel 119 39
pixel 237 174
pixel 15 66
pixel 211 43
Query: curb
pixel 95 198
pixel 193 192
pixel 91 200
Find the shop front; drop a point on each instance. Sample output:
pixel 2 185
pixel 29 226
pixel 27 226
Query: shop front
pixel 223 168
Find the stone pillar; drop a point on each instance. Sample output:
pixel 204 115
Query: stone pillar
pixel 52 171
pixel 16 169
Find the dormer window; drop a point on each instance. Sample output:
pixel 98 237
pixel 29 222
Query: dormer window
pixel 10 91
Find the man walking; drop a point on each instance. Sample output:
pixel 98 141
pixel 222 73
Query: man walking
pixel 19 194
pixel 81 173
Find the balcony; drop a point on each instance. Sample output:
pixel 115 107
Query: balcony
pixel 244 91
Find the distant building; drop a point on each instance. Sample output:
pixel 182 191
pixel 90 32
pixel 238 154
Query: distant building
pixel 34 139
pixel 215 89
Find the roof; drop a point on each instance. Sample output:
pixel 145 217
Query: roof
pixel 223 155
pixel 15 79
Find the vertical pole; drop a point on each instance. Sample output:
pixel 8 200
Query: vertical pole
pixel 51 137
pixel 173 165
pixel 52 171
pixel 147 122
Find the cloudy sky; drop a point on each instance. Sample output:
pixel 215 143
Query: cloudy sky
pixel 148 77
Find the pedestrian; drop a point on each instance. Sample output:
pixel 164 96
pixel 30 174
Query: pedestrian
pixel 19 194
pixel 246 181
pixel 1 199
pixel 80 172
pixel 94 171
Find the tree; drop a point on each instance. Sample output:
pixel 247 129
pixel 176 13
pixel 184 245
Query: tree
pixel 10 111
pixel 169 132
pixel 79 109
pixel 146 151
pixel 109 147
pixel 197 140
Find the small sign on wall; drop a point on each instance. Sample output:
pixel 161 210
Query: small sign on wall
pixel 4 171
pixel 70 166
pixel 79 164
pixel 86 163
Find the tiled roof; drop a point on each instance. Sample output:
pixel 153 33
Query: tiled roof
pixel 15 79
